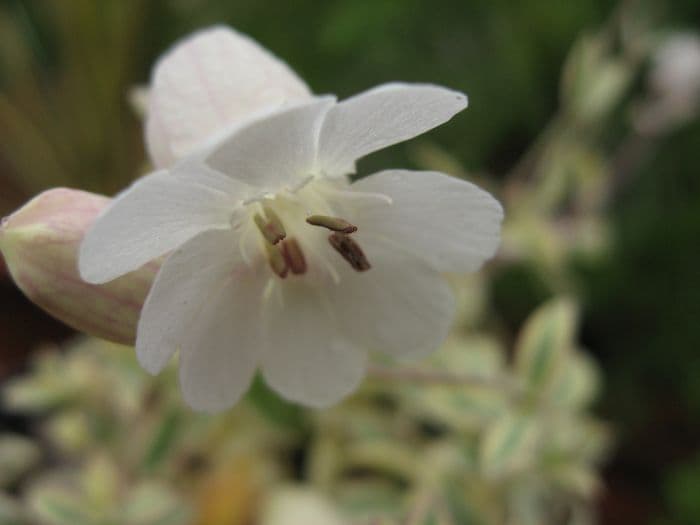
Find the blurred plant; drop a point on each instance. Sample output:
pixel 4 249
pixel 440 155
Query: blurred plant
pixel 64 75
pixel 470 435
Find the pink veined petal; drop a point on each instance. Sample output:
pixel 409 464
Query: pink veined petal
pixel 208 82
pixel 447 222
pixel 380 117
pixel 156 214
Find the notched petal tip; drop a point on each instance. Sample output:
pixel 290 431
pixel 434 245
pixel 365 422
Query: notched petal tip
pixel 149 366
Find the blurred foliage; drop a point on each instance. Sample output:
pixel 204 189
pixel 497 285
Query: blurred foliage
pixel 600 187
pixel 466 435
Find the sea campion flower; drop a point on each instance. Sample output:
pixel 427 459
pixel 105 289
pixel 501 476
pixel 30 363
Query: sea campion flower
pixel 277 260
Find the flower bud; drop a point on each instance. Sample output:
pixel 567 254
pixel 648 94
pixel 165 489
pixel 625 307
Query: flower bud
pixel 40 244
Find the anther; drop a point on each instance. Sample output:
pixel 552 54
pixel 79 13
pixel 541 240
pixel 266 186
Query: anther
pixel 350 251
pixel 278 262
pixel 270 226
pixel 332 223
pixel 293 256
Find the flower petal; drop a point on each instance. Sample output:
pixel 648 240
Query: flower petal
pixel 208 82
pixel 277 149
pixel 155 215
pixel 380 117
pixel 221 351
pixel 449 223
pixel 204 303
pixel 305 358
pixel 399 307
pixel 188 278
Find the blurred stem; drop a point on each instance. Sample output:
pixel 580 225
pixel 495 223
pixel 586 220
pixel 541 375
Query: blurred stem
pixel 527 164
pixel 438 377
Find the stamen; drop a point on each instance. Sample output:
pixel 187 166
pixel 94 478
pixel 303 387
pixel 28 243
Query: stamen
pixel 277 261
pixel 332 223
pixel 293 256
pixel 350 251
pixel 243 245
pixel 270 226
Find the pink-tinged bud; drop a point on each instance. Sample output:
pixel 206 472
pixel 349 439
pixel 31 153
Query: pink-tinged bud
pixel 40 244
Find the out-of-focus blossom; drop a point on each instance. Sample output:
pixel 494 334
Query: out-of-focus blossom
pixel 674 81
pixel 40 244
pixel 213 80
pixel 676 72
pixel 279 261
pixel 299 505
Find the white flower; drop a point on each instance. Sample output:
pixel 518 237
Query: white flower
pixel 674 79
pixel 676 69
pixel 266 268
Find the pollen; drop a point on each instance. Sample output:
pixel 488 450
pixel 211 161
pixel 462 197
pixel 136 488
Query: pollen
pixel 332 223
pixel 270 226
pixel 277 261
pixel 350 251
pixel 294 256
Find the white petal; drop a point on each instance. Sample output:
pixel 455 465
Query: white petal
pixel 189 278
pixel 274 150
pixel 155 215
pixel 221 351
pixel 449 223
pixel 208 82
pixel 380 117
pixel 400 306
pixel 306 358
pixel 204 302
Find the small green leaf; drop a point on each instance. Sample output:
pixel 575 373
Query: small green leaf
pixel 508 446
pixel 294 504
pixel 163 441
pixel 577 382
pixel 544 343
pixel 56 506
pixel 152 504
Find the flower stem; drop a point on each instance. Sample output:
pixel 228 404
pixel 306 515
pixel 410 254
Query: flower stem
pixel 439 377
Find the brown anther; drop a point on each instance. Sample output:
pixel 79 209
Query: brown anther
pixel 350 251
pixel 332 223
pixel 270 226
pixel 293 256
pixel 277 261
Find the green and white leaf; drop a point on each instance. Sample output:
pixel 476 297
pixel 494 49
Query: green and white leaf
pixel 152 504
pixel 544 343
pixel 577 382
pixel 509 445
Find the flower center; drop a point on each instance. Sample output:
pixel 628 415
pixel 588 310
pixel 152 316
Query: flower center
pixel 290 235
